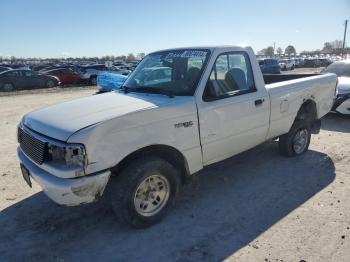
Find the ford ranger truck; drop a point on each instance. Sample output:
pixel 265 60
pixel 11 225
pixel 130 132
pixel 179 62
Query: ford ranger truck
pixel 202 106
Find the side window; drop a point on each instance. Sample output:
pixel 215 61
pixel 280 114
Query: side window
pixel 12 73
pixel 196 62
pixel 231 75
pixel 27 73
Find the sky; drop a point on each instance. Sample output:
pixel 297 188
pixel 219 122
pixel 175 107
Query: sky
pixel 48 28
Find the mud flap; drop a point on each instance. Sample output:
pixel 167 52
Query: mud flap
pixel 316 126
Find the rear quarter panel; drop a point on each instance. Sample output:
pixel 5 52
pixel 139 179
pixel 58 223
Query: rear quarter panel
pixel 287 97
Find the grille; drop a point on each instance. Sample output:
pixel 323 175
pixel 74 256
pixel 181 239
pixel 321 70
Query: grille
pixel 34 148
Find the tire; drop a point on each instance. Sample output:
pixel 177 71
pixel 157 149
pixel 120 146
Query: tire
pixel 7 87
pixel 93 80
pixel 290 145
pixel 136 206
pixel 50 84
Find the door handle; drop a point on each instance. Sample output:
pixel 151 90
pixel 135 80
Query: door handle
pixel 259 102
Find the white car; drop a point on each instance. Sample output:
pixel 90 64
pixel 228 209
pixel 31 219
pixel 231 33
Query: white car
pixel 286 64
pixel 146 139
pixel 342 69
pixel 89 73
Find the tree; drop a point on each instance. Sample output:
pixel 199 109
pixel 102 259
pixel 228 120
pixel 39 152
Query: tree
pixel 290 50
pixel 267 51
pixel 270 51
pixel 13 59
pixel 262 51
pixel 279 51
pixel 337 44
pixel 131 56
pixel 141 55
pixel 327 47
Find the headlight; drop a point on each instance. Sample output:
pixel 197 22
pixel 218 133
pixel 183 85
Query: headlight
pixel 70 155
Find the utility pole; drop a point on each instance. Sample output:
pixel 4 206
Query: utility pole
pixel 274 48
pixel 346 25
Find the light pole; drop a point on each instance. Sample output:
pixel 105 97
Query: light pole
pixel 346 25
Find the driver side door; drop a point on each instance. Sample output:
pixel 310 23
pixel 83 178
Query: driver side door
pixel 234 114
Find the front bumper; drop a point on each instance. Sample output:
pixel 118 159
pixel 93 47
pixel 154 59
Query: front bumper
pixel 67 191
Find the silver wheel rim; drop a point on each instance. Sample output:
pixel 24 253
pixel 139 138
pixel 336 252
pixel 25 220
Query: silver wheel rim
pixel 300 141
pixel 8 87
pixel 151 195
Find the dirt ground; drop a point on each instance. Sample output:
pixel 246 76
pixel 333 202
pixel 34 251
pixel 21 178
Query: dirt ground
pixel 257 206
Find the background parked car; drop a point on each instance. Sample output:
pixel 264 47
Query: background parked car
pixel 65 75
pixel 3 68
pixel 312 62
pixel 325 61
pixel 89 73
pixel 19 66
pixel 286 64
pixel 107 82
pixel 342 70
pixel 41 67
pixel 269 66
pixel 25 79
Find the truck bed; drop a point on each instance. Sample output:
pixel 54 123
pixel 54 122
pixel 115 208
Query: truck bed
pixel 286 98
pixel 273 78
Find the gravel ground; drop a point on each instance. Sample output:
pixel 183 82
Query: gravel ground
pixel 257 206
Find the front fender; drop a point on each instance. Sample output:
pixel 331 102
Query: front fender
pixel 107 143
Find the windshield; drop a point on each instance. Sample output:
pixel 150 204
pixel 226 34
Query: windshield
pixel 340 69
pixel 174 72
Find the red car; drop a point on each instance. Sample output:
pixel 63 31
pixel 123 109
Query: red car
pixel 65 75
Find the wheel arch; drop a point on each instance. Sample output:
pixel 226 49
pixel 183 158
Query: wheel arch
pixel 307 111
pixel 168 153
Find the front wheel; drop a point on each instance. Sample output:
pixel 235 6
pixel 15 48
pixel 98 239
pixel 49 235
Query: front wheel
pixel 296 141
pixel 143 192
pixel 7 87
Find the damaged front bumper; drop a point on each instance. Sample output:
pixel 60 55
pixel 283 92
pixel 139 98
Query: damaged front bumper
pixel 67 191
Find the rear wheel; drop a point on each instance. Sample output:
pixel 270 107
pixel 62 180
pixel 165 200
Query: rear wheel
pixel 7 87
pixel 143 192
pixel 296 141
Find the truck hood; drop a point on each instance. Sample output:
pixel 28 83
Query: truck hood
pixel 62 120
pixel 343 85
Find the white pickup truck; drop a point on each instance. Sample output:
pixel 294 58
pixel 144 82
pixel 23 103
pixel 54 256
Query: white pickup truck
pixel 144 140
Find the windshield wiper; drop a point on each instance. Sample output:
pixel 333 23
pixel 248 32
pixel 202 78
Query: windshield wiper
pixel 154 90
